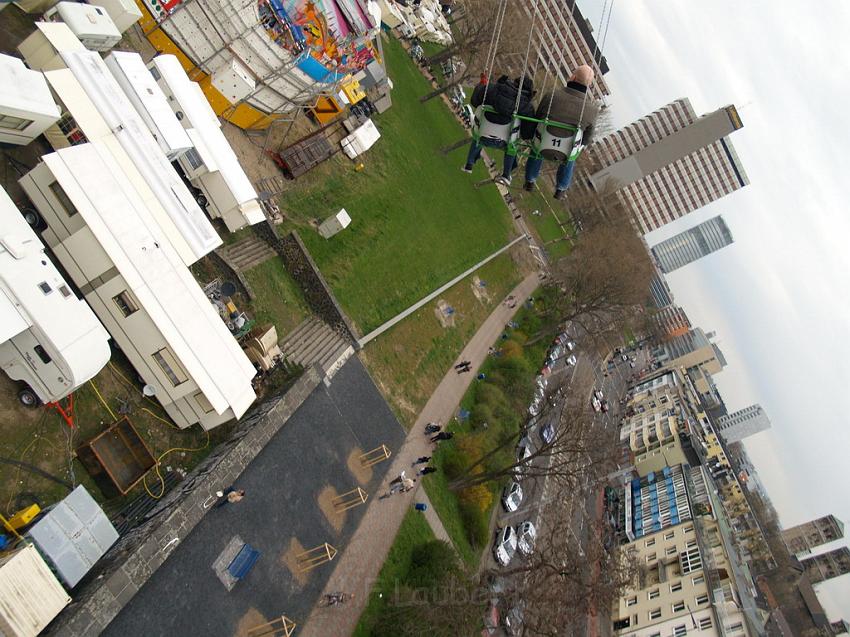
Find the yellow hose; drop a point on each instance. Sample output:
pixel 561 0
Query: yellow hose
pixel 158 462
pixel 102 401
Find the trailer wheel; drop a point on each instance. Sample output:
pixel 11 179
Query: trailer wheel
pixel 201 200
pixel 28 398
pixel 32 218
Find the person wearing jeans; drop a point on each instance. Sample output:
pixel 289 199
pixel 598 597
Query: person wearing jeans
pixel 563 179
pixel 501 97
pixel 571 106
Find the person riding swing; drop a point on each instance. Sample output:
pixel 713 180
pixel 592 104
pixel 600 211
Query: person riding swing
pixel 496 123
pixel 566 124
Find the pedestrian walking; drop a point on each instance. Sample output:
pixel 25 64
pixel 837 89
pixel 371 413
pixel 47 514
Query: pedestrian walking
pixel 405 485
pixel 443 435
pixel 432 428
pixel 398 479
pixel 426 471
pixel 229 496
pixel 463 370
pixel 422 460
pixel 462 364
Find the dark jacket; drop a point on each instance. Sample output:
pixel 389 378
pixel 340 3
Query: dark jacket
pixel 567 107
pixel 501 97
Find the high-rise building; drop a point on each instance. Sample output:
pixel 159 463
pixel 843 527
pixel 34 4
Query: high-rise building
pixel 670 162
pixel 659 291
pixel 827 565
pixel 692 244
pixel 801 539
pixel 672 321
pixel 745 422
pixel 563 40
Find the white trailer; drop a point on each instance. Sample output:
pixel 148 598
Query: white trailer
pixel 141 89
pixel 212 166
pixel 26 107
pixel 49 339
pixel 91 24
pixel 99 109
pixel 136 283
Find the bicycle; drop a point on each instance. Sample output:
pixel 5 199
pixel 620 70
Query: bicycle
pixel 335 599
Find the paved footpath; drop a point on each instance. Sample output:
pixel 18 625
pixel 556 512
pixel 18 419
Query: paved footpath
pixel 360 562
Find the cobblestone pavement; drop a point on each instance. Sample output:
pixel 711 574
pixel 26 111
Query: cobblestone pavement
pixel 361 560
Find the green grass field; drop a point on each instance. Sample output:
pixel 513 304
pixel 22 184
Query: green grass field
pixel 417 220
pixel 279 299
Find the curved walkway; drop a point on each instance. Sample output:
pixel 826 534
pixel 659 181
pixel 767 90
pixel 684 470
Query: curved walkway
pixel 361 561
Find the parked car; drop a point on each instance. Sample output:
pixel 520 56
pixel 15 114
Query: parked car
pixel 548 433
pixel 571 359
pixel 632 364
pixel 570 345
pixel 526 536
pixel 523 455
pixel 505 545
pixel 604 406
pixel 554 353
pixel 512 497
pixel 541 381
pixel 624 357
pixel 534 408
pixel 513 619
pixel 598 393
pixel 597 406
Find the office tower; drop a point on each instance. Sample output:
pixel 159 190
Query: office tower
pixel 692 244
pixel 669 163
pixel 801 539
pixel 563 40
pixel 745 422
pixel 827 565
pixel 672 321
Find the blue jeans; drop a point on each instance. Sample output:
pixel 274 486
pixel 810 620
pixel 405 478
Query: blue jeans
pixel 563 179
pixel 474 154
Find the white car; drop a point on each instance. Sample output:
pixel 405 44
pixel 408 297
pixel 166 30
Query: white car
pixel 505 546
pixel 512 497
pixel 571 359
pixel 527 535
pixel 541 381
pixel 597 406
pixel 598 393
pixel 570 345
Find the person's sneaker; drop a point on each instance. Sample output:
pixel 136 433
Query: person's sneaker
pixel 505 181
pixel 559 194
pixel 467 168
pixel 529 186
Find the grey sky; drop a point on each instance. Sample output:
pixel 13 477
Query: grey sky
pixel 777 296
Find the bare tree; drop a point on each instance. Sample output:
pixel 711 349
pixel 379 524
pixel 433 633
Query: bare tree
pixel 473 36
pixel 577 449
pixel 565 580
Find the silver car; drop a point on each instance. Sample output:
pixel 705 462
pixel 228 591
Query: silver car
pixel 512 497
pixel 571 359
pixel 527 535
pixel 505 546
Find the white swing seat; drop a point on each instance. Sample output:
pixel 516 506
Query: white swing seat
pixel 555 147
pixel 485 129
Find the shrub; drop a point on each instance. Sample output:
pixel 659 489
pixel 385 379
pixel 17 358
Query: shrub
pixel 453 462
pixel 471 447
pixel 430 564
pixel 479 496
pixel 489 394
pixel 511 349
pixel 481 414
pixel 476 524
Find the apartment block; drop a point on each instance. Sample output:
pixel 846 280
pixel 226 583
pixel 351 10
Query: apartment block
pixel 669 163
pixel 802 538
pixel 745 422
pixel 827 565
pixel 563 40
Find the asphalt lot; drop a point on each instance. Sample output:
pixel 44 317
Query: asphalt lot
pixel 309 454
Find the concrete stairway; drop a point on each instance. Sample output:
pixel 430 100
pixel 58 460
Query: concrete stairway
pixel 249 252
pixel 314 341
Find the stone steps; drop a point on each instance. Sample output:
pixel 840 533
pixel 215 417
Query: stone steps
pixel 248 253
pixel 314 341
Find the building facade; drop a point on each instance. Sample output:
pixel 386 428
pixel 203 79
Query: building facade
pixel 827 565
pixel 672 321
pixel 692 244
pixel 745 422
pixel 563 40
pixel 801 539
pixel 695 352
pixel 669 163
